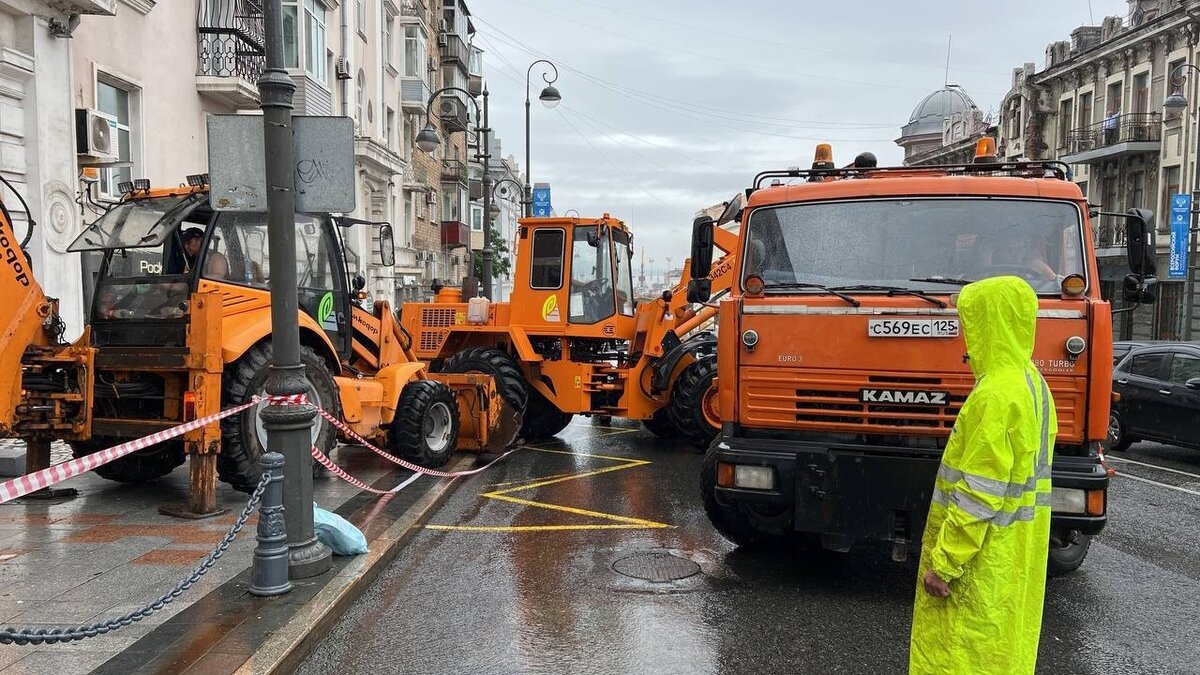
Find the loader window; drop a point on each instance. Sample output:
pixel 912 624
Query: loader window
pixel 591 275
pixel 241 241
pixel 547 268
pixel 624 272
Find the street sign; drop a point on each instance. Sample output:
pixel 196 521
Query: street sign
pixel 541 200
pixel 323 153
pixel 1181 221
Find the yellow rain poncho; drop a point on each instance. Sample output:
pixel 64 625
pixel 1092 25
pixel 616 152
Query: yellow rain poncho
pixel 989 523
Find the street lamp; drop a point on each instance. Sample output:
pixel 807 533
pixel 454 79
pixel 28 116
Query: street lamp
pixel 1177 101
pixel 428 141
pixel 549 98
pixel 494 212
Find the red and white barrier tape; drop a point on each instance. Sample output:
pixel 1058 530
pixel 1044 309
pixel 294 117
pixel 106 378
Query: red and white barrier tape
pixel 32 482
pixel 400 462
pixel 336 470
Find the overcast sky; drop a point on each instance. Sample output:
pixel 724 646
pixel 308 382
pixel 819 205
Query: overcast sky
pixel 673 105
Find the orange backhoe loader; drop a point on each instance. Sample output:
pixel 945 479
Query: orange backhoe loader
pixel 571 340
pixel 179 328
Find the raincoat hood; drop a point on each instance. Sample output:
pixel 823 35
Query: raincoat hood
pixel 999 319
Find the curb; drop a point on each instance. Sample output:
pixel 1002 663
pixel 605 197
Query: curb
pixel 284 651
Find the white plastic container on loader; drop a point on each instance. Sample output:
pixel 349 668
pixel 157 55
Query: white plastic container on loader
pixel 477 310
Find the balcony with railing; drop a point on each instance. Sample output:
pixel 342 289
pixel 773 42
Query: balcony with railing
pixel 455 234
pixel 454 171
pixel 1126 134
pixel 454 50
pixel 414 94
pixel 231 39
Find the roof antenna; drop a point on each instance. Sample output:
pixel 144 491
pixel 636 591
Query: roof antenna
pixel 1091 18
pixel 949 39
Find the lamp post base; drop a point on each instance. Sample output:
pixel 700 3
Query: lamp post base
pixel 308 559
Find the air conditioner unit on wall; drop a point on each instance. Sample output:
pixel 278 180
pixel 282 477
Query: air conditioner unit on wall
pixel 342 69
pixel 96 135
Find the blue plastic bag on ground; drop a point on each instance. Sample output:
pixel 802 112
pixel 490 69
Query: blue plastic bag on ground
pixel 337 533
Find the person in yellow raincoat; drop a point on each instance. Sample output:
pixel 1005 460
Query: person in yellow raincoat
pixel 982 575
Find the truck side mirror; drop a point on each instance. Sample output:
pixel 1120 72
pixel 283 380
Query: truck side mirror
pixel 1139 289
pixel 1139 242
pixel 702 246
pixel 699 290
pixel 387 247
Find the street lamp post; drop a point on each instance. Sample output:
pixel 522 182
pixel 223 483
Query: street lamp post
pixel 428 141
pixel 288 427
pixel 1177 101
pixel 549 98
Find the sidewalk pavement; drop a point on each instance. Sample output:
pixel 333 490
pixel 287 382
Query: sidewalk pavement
pixel 108 552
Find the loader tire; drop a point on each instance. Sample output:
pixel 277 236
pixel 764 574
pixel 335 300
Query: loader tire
pixel 750 526
pixel 154 462
pixel 503 369
pixel 543 419
pixel 661 425
pixel 687 403
pixel 425 429
pixel 243 440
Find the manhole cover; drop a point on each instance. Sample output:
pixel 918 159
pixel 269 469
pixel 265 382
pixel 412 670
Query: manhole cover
pixel 656 566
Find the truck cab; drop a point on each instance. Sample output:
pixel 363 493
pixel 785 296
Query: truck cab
pixel 845 367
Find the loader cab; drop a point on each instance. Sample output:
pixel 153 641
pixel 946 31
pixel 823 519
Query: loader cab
pixel 579 273
pixel 160 246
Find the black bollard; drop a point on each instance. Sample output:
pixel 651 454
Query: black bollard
pixel 270 573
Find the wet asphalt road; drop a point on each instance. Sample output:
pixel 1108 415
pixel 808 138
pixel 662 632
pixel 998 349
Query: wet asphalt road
pixel 529 587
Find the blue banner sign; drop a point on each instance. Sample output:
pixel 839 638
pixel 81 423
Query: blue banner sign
pixel 1181 221
pixel 541 201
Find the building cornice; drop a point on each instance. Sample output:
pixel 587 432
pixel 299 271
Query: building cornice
pixel 1115 47
pixel 142 7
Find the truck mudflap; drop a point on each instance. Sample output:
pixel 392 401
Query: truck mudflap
pixel 848 493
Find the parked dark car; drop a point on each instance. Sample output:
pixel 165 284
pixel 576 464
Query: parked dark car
pixel 1159 386
pixel 1122 348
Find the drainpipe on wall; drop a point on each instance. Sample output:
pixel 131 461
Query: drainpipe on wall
pixel 345 84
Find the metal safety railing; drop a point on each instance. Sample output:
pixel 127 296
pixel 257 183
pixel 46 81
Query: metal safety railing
pixel 232 38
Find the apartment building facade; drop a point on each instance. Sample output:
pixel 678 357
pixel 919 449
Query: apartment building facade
pixel 1097 105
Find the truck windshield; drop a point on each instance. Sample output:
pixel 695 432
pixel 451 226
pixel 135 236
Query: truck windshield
pixel 931 245
pixel 133 224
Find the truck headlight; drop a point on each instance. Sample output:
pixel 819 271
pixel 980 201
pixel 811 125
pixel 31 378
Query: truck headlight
pixel 1068 500
pixel 753 477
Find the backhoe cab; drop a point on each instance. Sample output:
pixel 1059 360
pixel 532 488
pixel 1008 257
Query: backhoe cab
pixel 181 324
pixel 572 340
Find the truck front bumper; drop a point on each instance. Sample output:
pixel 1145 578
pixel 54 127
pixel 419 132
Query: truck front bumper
pixel 848 492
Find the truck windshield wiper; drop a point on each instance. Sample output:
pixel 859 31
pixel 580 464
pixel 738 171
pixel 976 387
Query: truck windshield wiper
pixel 819 287
pixel 954 281
pixel 894 291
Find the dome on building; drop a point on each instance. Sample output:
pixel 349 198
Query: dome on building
pixel 929 114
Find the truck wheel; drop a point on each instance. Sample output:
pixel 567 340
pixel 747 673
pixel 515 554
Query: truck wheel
pixel 542 419
pixel 661 425
pixel 1067 551
pixel 425 429
pixel 749 526
pixel 503 369
pixel 1119 439
pixel 154 462
pixel 243 437
pixel 689 397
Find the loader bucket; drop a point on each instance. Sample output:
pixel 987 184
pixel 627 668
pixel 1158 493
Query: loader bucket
pixel 487 422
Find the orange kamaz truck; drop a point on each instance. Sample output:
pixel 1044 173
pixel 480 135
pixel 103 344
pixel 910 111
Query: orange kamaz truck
pixel 841 366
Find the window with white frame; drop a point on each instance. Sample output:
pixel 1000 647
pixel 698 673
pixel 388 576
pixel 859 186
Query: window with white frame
pixel 362 18
pixel 304 36
pixel 389 43
pixel 414 52
pixel 476 218
pixel 117 100
pixel 390 120
pixel 361 100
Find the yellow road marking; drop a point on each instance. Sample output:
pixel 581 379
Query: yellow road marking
pixel 621 522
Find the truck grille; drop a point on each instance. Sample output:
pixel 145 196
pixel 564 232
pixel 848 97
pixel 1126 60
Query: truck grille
pixel 830 400
pixel 436 317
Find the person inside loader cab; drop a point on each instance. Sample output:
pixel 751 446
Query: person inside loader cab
pixel 216 266
pixel 982 574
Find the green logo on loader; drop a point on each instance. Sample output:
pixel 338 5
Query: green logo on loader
pixel 325 311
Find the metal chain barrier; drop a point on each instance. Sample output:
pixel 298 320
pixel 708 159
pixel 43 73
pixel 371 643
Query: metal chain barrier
pixel 27 636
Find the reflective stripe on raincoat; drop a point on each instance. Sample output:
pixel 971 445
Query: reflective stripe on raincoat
pixel 988 529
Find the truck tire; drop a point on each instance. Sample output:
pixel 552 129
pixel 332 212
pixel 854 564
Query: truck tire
pixel 1119 439
pixel 748 526
pixel 1067 551
pixel 243 439
pixel 688 400
pixel 543 419
pixel 425 429
pixel 154 462
pixel 661 425
pixel 503 369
